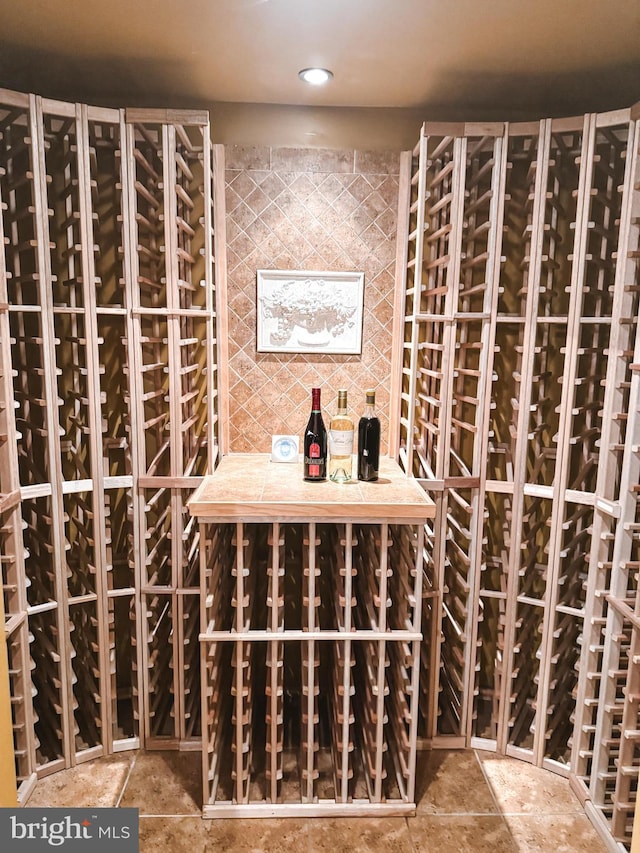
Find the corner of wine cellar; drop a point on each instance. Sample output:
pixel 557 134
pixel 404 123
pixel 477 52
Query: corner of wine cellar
pixel 166 587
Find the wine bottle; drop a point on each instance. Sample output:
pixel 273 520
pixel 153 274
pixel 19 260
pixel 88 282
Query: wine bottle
pixel 369 440
pixel 315 442
pixel 341 442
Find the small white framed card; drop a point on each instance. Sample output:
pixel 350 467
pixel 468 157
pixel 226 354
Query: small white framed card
pixel 301 311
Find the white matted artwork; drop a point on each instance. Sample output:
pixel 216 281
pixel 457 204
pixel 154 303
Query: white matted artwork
pixel 310 312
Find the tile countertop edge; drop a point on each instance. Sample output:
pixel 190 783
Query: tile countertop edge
pixel 245 485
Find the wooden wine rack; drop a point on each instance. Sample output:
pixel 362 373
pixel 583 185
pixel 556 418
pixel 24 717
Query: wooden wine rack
pixel 173 337
pixel 518 408
pixel 310 640
pixel 108 421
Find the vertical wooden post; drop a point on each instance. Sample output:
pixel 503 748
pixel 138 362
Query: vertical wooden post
pixel 238 663
pixel 635 838
pixel 402 238
pixel 169 184
pixel 136 438
pixel 383 533
pixel 485 383
pixel 413 273
pixel 416 624
pixel 8 790
pixel 13 573
pixel 562 460
pixel 221 298
pixel 95 418
pixel 311 654
pixel 132 272
pixel 346 657
pixel 52 425
pixel 210 267
pixel 533 284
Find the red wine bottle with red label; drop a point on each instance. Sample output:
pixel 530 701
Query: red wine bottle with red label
pixel 315 442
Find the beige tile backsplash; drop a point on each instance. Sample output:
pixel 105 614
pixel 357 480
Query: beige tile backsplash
pixel 299 209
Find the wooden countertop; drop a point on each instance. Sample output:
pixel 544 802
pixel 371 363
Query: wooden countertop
pixel 251 486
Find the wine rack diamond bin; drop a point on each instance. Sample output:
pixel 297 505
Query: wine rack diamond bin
pixel 311 606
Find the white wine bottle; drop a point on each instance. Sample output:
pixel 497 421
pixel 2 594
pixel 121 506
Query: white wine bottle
pixel 341 442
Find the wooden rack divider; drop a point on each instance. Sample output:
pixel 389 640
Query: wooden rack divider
pixel 12 558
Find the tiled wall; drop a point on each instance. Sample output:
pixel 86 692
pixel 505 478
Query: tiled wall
pixel 307 209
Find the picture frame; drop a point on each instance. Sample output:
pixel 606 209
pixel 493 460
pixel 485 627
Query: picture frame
pixel 309 311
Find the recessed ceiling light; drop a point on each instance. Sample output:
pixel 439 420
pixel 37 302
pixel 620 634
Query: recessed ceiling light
pixel 315 76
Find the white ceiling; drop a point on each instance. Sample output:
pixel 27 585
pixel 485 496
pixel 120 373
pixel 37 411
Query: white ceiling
pixel 451 59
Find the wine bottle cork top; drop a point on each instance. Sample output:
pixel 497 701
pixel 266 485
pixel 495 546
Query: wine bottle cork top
pixel 370 396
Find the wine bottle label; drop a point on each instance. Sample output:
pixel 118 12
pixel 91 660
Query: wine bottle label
pixel 313 468
pixel 341 442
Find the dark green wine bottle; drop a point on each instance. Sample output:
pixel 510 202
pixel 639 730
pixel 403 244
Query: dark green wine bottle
pixel 369 440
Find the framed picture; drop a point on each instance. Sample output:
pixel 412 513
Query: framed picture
pixel 310 311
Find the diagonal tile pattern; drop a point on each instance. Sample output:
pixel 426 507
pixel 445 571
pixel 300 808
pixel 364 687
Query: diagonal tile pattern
pixel 307 209
pixel 468 801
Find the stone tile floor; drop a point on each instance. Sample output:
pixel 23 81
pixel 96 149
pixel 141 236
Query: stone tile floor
pixel 466 801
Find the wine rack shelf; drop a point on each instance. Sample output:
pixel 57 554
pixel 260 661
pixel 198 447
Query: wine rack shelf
pixel 108 392
pixel 518 411
pixel 310 640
